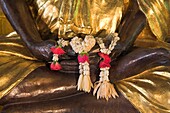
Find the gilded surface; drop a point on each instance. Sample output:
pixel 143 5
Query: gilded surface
pixel 149 91
pixel 158 16
pixel 68 18
pixel 5 27
pixel 16 63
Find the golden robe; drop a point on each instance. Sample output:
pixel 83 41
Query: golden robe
pixel 148 91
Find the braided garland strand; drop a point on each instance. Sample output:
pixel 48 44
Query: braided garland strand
pixel 103 87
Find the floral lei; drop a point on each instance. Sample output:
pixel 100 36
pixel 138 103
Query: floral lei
pixel 103 88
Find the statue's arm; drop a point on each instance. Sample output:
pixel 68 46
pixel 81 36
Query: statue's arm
pixel 131 26
pixel 19 16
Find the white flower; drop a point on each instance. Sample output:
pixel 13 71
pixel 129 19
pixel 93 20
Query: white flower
pixel 62 42
pixel 55 57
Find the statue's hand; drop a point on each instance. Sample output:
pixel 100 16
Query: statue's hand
pixel 70 54
pixel 42 50
pixel 71 65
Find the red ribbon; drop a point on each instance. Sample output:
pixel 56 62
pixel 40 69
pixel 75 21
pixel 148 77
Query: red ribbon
pixel 83 58
pixel 106 60
pixel 55 66
pixel 57 50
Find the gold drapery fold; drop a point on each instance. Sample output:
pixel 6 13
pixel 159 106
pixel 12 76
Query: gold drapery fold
pixel 149 91
pixel 16 63
pixel 158 16
pixel 14 46
pixel 67 18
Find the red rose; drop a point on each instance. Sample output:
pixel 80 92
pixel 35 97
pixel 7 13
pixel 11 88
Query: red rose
pixel 104 64
pixel 83 58
pixel 55 66
pixel 58 50
pixel 106 57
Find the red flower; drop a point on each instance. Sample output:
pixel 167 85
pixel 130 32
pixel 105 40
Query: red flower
pixel 83 58
pixel 55 66
pixel 106 57
pixel 104 64
pixel 58 50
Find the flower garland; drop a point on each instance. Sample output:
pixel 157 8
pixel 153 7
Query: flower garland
pixel 57 50
pixel 103 87
pixel 82 47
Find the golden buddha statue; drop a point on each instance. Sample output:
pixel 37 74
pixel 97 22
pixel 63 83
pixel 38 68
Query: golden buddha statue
pixel 140 61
